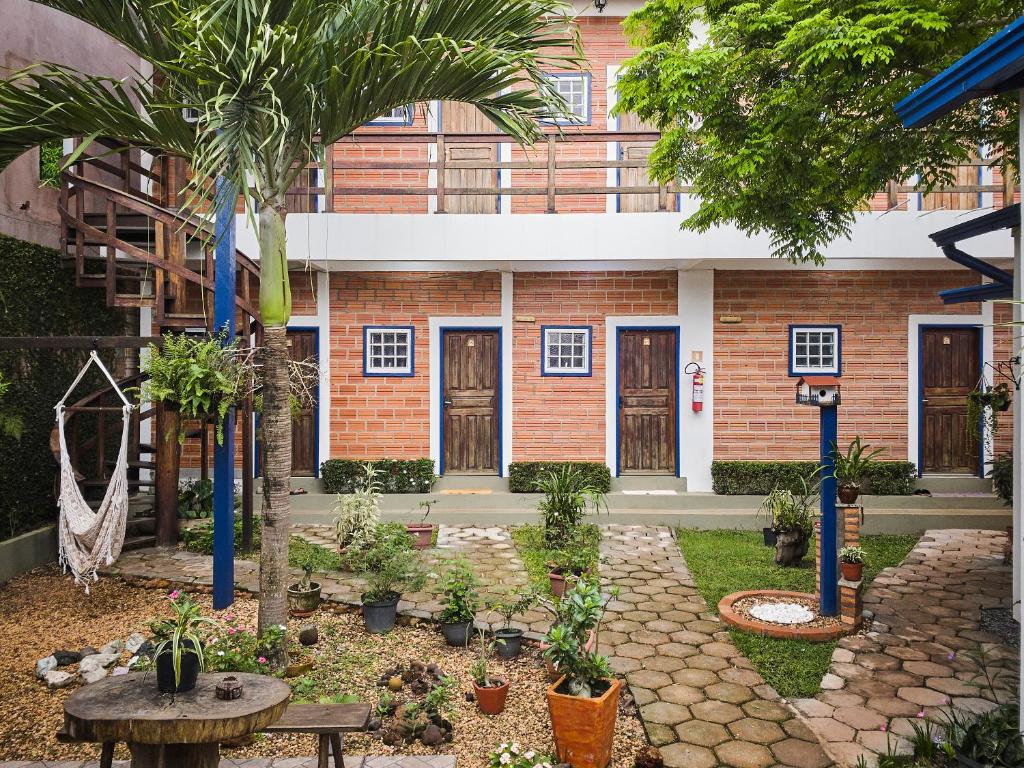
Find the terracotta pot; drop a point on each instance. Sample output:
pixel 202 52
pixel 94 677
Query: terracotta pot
pixel 584 728
pixel 848 493
pixel 553 674
pixel 422 534
pixel 852 571
pixel 491 701
pixel 557 582
pixel 298 668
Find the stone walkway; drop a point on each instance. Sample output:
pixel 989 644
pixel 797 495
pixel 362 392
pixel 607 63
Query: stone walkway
pixel 700 700
pixel 917 658
pixel 356 761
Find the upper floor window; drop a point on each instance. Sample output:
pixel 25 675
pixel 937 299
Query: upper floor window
pixel 575 89
pixel 388 350
pixel 815 349
pixel 566 350
pixel 397 116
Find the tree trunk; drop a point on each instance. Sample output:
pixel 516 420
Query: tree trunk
pixel 276 424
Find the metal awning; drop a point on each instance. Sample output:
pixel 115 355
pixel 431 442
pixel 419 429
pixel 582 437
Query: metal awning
pixel 948 240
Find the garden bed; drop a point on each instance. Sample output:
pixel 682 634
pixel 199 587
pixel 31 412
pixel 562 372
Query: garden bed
pixel 45 611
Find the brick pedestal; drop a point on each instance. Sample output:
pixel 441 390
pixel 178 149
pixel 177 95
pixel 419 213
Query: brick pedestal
pixel 850 604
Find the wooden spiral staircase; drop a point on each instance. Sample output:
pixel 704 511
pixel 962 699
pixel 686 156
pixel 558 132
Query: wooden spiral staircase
pixel 125 232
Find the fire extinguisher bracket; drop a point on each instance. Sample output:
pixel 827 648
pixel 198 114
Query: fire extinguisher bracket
pixel 696 371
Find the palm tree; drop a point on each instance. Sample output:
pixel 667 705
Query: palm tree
pixel 270 80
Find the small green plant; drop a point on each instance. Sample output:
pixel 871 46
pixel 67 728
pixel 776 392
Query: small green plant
pixel 199 537
pixel 235 648
pixel 180 635
pixel 195 498
pixel 425 506
pixel 567 496
pixel 1002 477
pixel 439 698
pixel 851 467
pixel 984 404
pixel 992 739
pixel 358 512
pixel 852 555
pixel 459 589
pixel 385 704
pixel 303 689
pixel 578 612
pixel 479 671
pixel 514 603
pixel 389 565
pixel 514 756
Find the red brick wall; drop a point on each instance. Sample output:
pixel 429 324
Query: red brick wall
pixel 303 285
pixel 375 417
pixel 755 417
pixel 558 417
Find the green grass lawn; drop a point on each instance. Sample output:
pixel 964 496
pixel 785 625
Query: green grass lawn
pixel 529 540
pixel 723 562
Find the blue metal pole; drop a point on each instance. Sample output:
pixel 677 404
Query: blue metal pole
pixel 829 561
pixel 224 454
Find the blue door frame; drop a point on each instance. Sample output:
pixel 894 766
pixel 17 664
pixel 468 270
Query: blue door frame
pixel 445 329
pixel 316 413
pixel 677 330
pixel 920 387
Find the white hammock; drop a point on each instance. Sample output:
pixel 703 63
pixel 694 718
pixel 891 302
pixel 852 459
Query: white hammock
pixel 88 539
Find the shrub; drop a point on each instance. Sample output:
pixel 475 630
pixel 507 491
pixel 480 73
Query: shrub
pixel 390 565
pixel 394 475
pixel 195 498
pixel 526 476
pixel 359 511
pixel 759 478
pixel 1002 478
pixel 199 538
pixel 566 498
pixel 459 587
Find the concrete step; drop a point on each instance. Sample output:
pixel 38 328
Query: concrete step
pixel 955 484
pixel 491 483
pixel 645 483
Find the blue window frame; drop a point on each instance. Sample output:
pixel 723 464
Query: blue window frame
pixel 815 349
pixel 388 350
pixel 574 87
pixel 397 116
pixel 566 350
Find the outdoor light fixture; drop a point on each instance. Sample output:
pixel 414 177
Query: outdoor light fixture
pixel 600 4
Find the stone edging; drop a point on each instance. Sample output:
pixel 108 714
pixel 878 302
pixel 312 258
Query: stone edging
pixel 734 618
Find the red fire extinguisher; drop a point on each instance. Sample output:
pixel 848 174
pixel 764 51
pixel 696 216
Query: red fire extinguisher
pixel 697 398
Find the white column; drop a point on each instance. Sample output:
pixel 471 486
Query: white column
pixel 1018 429
pixel 323 313
pixel 507 280
pixel 697 319
pixel 145 330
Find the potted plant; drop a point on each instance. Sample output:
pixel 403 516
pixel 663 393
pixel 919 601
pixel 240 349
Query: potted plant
pixel 304 597
pixel 794 524
pixel 984 403
pixel 358 513
pixel 569 563
pixel 461 601
pixel 567 496
pixel 509 639
pixel 851 563
pixel 773 503
pixel 422 532
pixel 490 692
pixel 581 608
pixel 179 653
pixel 390 566
pixel 584 701
pixel 850 468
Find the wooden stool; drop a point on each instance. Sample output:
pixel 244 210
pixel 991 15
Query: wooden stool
pixel 106 755
pixel 328 721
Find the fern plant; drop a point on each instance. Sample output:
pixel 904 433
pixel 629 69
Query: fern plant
pixel 358 513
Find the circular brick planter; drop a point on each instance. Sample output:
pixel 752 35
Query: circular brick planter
pixel 734 618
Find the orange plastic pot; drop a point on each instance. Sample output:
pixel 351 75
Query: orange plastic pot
pixel 491 701
pixel 584 729
pixel 422 534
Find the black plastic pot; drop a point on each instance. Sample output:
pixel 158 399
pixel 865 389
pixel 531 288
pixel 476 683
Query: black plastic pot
pixel 457 634
pixel 770 536
pixel 510 642
pixel 379 615
pixel 189 669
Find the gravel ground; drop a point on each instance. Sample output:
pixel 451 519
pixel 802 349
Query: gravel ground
pixel 44 611
pixel 1000 621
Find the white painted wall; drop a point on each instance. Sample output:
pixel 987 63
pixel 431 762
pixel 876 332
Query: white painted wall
pixel 322 322
pixel 697 322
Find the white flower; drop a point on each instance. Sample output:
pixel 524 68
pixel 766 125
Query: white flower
pixel 503 747
pixel 515 747
pixel 529 754
pixel 220 653
pixel 282 627
pixel 506 758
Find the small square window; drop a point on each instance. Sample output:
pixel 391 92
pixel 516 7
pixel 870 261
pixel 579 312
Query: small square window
pixel 815 350
pixel 566 351
pixel 397 116
pixel 388 351
pixel 575 89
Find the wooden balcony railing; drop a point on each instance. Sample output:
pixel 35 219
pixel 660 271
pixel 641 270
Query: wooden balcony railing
pixel 452 170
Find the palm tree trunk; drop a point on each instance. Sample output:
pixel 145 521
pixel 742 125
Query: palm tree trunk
pixel 276 424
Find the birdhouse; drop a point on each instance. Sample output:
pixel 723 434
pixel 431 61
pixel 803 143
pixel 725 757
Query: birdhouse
pixel 822 391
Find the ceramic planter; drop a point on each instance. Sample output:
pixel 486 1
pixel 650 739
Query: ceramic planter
pixel 852 571
pixel 303 602
pixel 510 642
pixel 422 534
pixel 189 670
pixel 379 615
pixel 770 536
pixel 790 548
pixel 457 634
pixel 848 493
pixel 491 701
pixel 298 668
pixel 584 728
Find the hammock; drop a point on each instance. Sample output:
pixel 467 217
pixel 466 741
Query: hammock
pixel 87 538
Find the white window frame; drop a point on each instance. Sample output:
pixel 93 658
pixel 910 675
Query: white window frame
pixel 408 369
pixel 584 79
pixel 398 116
pixel 837 352
pixel 586 369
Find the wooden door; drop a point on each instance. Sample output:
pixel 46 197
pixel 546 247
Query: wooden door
pixel 471 401
pixel 638 177
pixel 647 402
pixel 950 368
pixel 302 346
pixel 459 118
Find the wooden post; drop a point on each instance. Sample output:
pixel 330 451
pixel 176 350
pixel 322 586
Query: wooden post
pixel 247 473
pixel 551 173
pixel 328 178
pixel 892 194
pixel 1008 185
pixel 111 265
pixel 440 173
pixel 168 462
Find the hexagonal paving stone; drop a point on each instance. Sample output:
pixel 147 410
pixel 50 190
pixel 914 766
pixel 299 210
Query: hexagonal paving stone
pixel 804 754
pixel 681 694
pixel 859 718
pixel 695 677
pixel 634 651
pixel 702 733
pixel 682 755
pixel 664 663
pixel 642 695
pixel 743 754
pixel 757 731
pixel 665 712
pixel 830 729
pixel 711 663
pixel 721 650
pixel 677 650
pixel 660 734
pixel 767 710
pixel 923 696
pixel 621 665
pixel 927 669
pixel 648 678
pixel 892 707
pixel 741 676
pixel 716 712
pixel 730 692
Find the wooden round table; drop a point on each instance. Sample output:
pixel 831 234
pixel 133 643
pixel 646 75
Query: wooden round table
pixel 183 729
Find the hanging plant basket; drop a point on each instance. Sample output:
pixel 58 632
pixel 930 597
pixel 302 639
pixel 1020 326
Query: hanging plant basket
pixel 983 404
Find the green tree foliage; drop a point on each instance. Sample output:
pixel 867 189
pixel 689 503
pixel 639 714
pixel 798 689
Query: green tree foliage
pixel 780 112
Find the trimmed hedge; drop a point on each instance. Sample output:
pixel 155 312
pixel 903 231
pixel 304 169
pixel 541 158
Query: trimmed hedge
pixel 396 475
pixel 758 478
pixel 39 298
pixel 523 475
